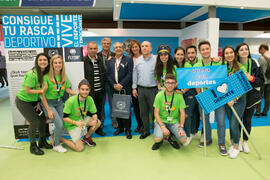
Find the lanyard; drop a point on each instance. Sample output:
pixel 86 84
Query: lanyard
pixel 210 64
pixel 83 113
pixel 169 105
pixel 230 70
pixel 58 86
pixel 249 66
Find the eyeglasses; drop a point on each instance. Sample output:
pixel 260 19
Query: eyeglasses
pixel 170 83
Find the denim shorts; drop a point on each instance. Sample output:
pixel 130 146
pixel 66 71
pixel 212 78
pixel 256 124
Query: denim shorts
pixel 173 128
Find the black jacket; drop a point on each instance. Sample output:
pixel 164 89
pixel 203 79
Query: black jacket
pixel 253 96
pixel 89 72
pixel 124 73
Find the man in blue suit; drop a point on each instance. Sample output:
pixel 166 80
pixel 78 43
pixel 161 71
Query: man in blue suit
pixel 119 75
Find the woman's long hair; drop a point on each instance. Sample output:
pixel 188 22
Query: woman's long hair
pixel 236 66
pixel 184 60
pixel 159 67
pixel 63 70
pixel 40 74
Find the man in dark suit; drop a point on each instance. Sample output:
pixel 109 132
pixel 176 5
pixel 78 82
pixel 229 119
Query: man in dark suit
pixel 119 75
pixel 106 55
pixel 94 72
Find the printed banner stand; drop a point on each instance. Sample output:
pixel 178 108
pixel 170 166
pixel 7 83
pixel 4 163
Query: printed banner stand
pixel 25 36
pixel 224 92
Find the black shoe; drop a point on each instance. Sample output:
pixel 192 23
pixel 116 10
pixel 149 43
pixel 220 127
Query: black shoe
pixel 42 143
pixel 118 131
pixel 207 143
pixel 128 134
pixel 222 150
pixel 88 141
pixel 34 149
pixel 100 132
pixel 144 135
pixel 173 143
pixel 156 146
pixel 257 114
pixel 264 114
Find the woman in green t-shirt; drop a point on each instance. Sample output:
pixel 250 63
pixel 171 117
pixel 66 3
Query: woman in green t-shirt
pixel 27 102
pixel 164 65
pixel 57 83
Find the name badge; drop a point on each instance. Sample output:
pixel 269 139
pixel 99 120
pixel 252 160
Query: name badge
pixel 169 119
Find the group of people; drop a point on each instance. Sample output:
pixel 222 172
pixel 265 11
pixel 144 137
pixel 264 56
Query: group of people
pixel 151 81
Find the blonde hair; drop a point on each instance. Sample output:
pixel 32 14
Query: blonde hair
pixel 63 70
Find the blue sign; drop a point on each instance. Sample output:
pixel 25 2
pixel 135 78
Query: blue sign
pixel 224 92
pixel 58 3
pixel 197 77
pixel 42 31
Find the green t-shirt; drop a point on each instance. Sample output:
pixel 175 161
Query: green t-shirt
pixel 247 66
pixel 164 72
pixel 73 109
pixel 231 70
pixel 178 103
pixel 52 92
pixel 192 65
pixel 30 80
pixel 211 63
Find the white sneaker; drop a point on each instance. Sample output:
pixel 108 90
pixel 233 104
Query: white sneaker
pixel 201 139
pixel 245 147
pixel 59 149
pixel 240 147
pixel 234 153
pixel 230 150
pixel 194 135
pixel 188 141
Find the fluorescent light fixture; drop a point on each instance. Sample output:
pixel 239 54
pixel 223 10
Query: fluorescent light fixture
pixel 264 35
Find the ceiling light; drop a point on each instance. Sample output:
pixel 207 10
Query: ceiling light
pixel 242 7
pixel 117 5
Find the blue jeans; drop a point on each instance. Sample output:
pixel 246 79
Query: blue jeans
pixel 173 128
pixel 234 124
pixel 57 108
pixel 220 119
pixel 191 110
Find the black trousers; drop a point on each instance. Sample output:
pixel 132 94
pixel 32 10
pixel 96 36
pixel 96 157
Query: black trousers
pixel 136 108
pixel 3 77
pixel 248 113
pixel 98 99
pixel 124 124
pixel 35 121
pixel 265 92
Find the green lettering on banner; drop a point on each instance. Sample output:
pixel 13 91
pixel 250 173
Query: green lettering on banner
pixel 9 3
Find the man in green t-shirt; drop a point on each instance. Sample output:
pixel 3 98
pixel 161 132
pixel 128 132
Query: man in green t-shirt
pixel 169 114
pixel 80 112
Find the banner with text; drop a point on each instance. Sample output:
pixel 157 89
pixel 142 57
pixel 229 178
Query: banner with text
pixel 42 31
pixel 197 77
pixel 225 91
pixel 89 3
pixel 27 36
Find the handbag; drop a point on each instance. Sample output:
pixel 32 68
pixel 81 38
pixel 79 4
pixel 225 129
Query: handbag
pixel 121 105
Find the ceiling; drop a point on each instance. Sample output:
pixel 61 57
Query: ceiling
pixel 103 10
pixel 147 10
